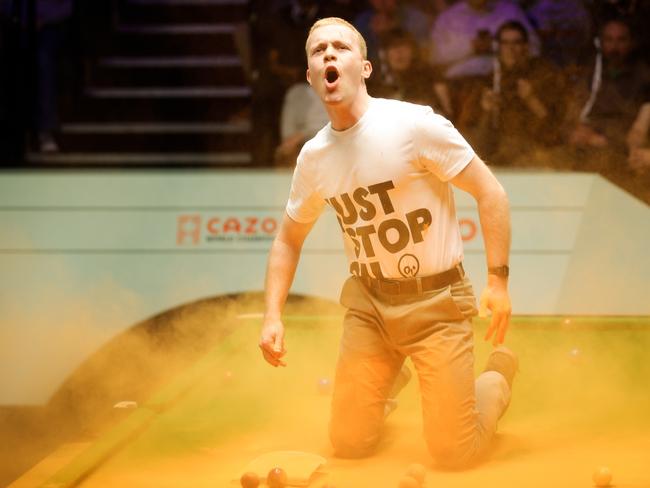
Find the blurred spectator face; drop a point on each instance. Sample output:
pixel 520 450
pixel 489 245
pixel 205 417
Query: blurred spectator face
pixel 513 48
pixel 616 41
pixel 386 6
pixel 400 55
pixel 478 4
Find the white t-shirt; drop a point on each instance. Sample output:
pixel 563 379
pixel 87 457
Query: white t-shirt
pixel 387 179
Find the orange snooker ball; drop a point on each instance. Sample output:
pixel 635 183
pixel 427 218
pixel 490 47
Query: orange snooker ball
pixel 277 478
pixel 602 477
pixel 249 480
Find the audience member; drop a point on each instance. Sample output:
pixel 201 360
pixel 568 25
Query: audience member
pixel 280 59
pixel 51 25
pixel 637 13
pixel 303 115
pixel 13 75
pixel 344 9
pixel 386 15
pixel 633 174
pixel 462 36
pixel 402 75
pixel 517 111
pixel 611 94
pixel 638 141
pixel 40 26
pixel 564 27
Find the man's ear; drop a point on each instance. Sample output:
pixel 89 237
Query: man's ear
pixel 308 76
pixel 366 71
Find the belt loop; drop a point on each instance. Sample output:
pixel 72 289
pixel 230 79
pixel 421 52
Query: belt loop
pixel 418 282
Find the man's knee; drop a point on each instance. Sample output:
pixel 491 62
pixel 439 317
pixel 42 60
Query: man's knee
pixel 353 442
pixel 452 455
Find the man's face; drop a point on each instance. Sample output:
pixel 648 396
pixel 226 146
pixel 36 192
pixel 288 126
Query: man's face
pixel 513 48
pixel 336 69
pixel 400 56
pixel 616 42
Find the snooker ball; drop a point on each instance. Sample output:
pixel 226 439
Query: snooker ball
pixel 324 386
pixel 249 480
pixel 277 478
pixel 417 471
pixel 575 355
pixel 602 476
pixel 408 482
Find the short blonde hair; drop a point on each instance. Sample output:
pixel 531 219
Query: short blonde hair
pixel 338 21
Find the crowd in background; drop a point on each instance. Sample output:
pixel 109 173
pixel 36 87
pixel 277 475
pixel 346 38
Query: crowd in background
pixel 560 84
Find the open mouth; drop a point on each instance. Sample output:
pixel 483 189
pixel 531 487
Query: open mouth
pixel 331 74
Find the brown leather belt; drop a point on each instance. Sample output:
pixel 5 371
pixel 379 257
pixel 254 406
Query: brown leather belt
pixel 415 286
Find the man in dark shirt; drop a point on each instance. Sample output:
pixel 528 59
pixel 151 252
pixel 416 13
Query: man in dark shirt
pixel 610 95
pixel 517 110
pixel 403 75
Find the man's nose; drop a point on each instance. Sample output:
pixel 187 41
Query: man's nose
pixel 330 53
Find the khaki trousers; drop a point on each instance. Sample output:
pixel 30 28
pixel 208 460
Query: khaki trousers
pixel 459 414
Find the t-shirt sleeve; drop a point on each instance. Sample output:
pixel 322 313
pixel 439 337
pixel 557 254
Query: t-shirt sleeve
pixel 305 204
pixel 440 148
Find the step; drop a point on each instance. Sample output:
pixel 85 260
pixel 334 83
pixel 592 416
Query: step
pixel 181 13
pixel 174 28
pixel 141 41
pixel 243 127
pixel 184 160
pixel 121 72
pixel 107 109
pixel 151 92
pixel 172 142
pixel 170 61
pixel 190 2
pixel 155 136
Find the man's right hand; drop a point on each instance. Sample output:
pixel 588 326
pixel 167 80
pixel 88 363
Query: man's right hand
pixel 272 342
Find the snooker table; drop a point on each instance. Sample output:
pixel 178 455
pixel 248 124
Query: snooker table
pixel 581 400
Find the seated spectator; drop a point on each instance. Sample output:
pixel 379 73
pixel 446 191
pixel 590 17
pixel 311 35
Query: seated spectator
pixel 303 115
pixel 638 141
pixel 635 175
pixel 636 12
pixel 462 36
pixel 386 15
pixel 279 40
pixel 518 109
pixel 344 9
pixel 50 21
pixel 402 75
pixel 611 94
pixel 564 27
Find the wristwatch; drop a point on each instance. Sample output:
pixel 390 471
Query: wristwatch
pixel 503 271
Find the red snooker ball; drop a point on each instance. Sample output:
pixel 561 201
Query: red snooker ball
pixel 408 482
pixel 277 478
pixel 249 480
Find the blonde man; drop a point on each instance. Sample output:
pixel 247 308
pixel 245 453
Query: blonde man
pixel 385 167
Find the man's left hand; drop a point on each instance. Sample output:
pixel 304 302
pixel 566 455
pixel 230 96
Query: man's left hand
pixel 495 298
